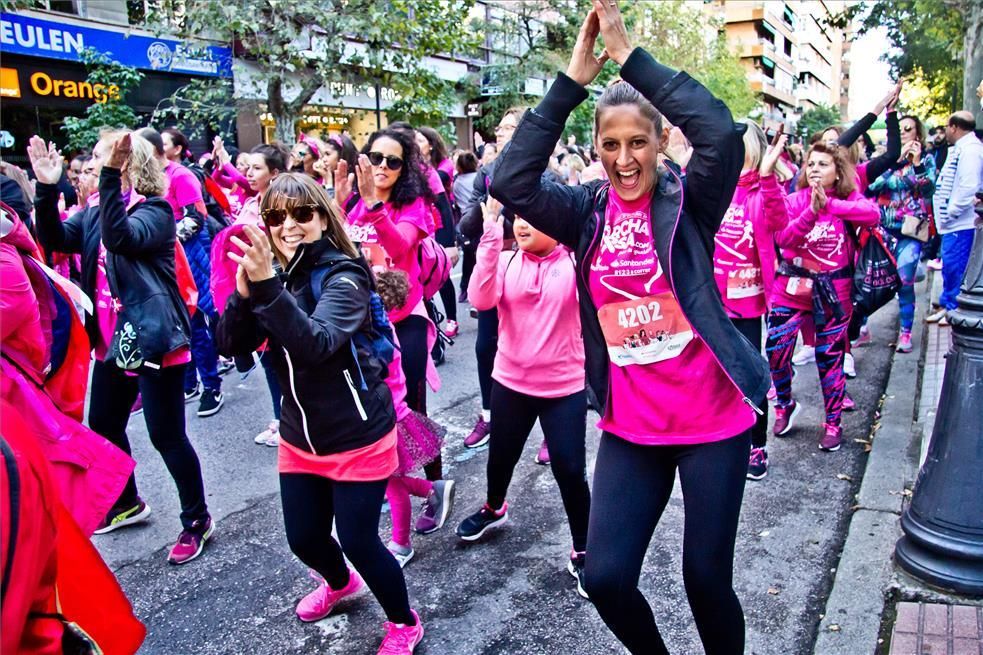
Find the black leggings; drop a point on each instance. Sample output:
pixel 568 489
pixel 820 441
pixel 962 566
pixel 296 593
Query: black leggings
pixel 752 329
pixel 310 505
pixel 564 423
pixel 113 395
pixel 469 257
pixel 412 333
pixel 448 297
pixel 485 348
pixel 632 485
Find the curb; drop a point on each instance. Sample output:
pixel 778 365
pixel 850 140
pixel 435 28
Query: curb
pixel 852 620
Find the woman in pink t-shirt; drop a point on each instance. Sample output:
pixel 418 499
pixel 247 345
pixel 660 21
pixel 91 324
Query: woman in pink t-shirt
pixel 814 280
pixel 744 256
pixel 390 219
pixel 684 402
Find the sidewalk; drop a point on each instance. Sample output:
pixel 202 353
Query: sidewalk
pixel 874 607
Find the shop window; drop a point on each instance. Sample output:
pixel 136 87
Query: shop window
pixel 63 6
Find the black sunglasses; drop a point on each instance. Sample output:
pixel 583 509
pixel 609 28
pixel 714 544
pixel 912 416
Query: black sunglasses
pixel 393 162
pixel 301 214
pixel 300 154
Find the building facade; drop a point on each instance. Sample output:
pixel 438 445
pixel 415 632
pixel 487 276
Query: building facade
pixel 44 80
pixel 793 57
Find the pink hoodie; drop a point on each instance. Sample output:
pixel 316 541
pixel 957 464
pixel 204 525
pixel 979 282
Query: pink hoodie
pixel 540 344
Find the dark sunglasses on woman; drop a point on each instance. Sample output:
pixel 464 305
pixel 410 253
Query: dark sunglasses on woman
pixel 393 162
pixel 301 214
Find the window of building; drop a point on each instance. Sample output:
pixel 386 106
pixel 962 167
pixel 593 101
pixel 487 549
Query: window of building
pixel 765 31
pixel 788 48
pixel 788 17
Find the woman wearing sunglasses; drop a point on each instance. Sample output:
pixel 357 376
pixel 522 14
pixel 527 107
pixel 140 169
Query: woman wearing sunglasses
pixel 338 435
pixel 390 219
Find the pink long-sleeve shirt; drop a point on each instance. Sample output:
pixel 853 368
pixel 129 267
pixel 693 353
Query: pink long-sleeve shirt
pixel 820 243
pixel 540 344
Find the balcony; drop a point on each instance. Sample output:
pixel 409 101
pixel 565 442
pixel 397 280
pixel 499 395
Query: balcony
pixel 767 88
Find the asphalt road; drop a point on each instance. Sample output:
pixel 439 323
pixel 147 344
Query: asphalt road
pixel 509 594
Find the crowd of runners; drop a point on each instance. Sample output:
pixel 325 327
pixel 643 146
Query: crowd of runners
pixel 661 276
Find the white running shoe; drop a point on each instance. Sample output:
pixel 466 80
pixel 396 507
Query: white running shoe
pixel 270 436
pixel 849 366
pixel 806 355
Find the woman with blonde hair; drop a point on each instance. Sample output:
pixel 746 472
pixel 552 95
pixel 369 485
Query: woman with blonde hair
pixel 140 331
pixel 338 427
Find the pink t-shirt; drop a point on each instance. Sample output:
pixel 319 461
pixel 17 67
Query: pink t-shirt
pixel 386 249
pixel 183 188
pixel 666 387
pixel 249 214
pixel 736 263
pixel 540 343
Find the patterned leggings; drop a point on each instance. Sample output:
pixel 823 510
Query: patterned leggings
pixel 784 324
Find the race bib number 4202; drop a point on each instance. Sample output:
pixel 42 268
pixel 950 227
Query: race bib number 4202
pixel 644 331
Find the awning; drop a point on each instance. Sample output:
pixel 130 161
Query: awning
pixel 767 62
pixel 768 27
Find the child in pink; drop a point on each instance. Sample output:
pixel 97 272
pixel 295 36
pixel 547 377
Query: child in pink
pixel 538 373
pixel 418 443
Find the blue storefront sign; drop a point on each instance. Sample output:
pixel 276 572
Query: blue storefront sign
pixel 26 35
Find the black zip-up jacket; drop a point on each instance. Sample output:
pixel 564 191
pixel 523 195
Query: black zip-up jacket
pixel 140 264
pixel 685 216
pixel 325 409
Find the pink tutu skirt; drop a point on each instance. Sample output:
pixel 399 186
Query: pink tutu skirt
pixel 418 442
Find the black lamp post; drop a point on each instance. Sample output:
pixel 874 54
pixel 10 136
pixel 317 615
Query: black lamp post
pixel 943 525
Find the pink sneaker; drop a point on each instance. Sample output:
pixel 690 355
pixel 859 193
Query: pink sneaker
pixel 452 329
pixel 543 456
pixel 401 639
pixel 832 439
pixel 319 603
pixel 772 393
pixel 848 404
pixel 479 436
pixel 904 342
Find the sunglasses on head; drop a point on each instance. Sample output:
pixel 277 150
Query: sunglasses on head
pixel 301 214
pixel 393 162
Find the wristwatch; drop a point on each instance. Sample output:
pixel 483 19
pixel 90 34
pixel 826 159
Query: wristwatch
pixel 377 206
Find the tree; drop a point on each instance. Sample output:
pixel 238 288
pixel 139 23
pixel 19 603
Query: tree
pixel 818 118
pixel 936 41
pixel 295 48
pixel 681 35
pixel 203 102
pixel 110 110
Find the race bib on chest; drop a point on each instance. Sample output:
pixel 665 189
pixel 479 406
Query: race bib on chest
pixel 644 331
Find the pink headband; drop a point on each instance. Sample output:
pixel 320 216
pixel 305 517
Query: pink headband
pixel 337 141
pixel 312 144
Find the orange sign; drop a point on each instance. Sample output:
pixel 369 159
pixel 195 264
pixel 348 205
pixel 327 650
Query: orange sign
pixel 9 83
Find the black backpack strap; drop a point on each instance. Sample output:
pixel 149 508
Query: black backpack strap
pixel 13 477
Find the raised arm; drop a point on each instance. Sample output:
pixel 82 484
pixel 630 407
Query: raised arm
pixel 55 235
pixel 488 279
pixel 149 228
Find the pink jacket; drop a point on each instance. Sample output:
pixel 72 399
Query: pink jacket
pixel 766 208
pixel 228 177
pixel 540 344
pixel 845 214
pixel 90 471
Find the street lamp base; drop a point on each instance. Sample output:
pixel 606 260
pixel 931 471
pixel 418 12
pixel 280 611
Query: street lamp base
pixel 950 573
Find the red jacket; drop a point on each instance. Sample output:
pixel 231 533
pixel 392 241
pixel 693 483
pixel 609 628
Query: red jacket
pixel 55 573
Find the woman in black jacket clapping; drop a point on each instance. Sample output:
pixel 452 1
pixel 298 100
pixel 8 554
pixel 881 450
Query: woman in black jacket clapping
pixel 140 329
pixel 338 426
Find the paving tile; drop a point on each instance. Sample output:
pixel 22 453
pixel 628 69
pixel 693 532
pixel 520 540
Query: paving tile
pixel 907 620
pixel 965 647
pixel 936 620
pixel 904 644
pixel 934 645
pixel 965 622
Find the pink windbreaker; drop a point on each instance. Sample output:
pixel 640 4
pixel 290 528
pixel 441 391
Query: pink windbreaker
pixel 540 344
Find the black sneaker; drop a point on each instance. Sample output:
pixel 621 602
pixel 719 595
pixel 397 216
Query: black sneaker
pixel 120 517
pixel 191 394
pixel 473 527
pixel 576 568
pixel 211 401
pixel 757 467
